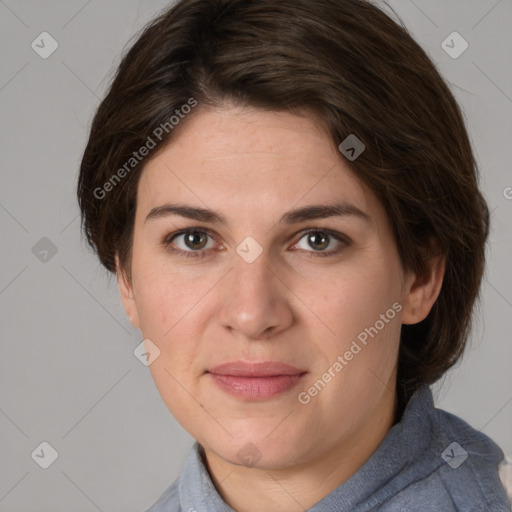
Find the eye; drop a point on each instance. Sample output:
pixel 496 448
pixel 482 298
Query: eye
pixel 320 239
pixel 189 242
pixel 195 242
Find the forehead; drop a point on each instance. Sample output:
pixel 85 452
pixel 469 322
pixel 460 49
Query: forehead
pixel 251 162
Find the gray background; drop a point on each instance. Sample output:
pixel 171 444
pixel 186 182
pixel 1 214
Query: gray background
pixel 68 375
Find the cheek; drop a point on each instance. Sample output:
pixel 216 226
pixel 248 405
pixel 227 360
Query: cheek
pixel 165 302
pixel 163 298
pixel 171 307
pixel 356 296
pixel 361 307
pixel 157 301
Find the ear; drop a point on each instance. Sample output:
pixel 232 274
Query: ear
pixel 422 290
pixel 127 296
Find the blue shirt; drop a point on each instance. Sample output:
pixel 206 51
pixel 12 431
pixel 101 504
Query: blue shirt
pixel 430 461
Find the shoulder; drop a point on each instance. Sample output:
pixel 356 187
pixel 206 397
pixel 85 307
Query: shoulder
pixel 168 501
pixel 460 471
pixel 470 465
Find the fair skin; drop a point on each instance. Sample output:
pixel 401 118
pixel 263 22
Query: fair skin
pixel 289 304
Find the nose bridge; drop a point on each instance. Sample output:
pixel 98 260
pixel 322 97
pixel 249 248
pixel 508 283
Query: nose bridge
pixel 253 298
pixel 253 274
pixel 252 282
pixel 251 266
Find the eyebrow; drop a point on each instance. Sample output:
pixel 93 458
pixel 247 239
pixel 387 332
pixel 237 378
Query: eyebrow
pixel 339 209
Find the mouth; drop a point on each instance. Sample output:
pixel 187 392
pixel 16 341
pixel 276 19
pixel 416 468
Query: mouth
pixel 255 381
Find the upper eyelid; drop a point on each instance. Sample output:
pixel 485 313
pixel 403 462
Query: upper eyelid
pixel 171 236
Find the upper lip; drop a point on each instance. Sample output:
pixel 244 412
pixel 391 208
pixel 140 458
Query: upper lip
pixel 255 369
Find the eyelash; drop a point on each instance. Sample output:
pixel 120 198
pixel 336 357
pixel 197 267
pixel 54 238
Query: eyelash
pixel 202 252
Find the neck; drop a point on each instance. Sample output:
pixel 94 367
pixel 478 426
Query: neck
pixel 251 489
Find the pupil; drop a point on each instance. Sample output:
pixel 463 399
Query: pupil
pixel 194 240
pixel 318 241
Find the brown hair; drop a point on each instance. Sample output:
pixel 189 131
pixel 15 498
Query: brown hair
pixel 350 65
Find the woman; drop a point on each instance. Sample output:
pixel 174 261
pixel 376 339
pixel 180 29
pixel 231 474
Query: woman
pixel 288 196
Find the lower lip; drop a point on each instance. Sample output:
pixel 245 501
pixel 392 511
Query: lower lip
pixel 256 388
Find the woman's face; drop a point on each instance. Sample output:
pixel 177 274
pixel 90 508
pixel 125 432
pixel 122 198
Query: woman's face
pixel 247 283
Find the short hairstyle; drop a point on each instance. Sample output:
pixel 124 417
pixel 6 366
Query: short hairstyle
pixel 349 65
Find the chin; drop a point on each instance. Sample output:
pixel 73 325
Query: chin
pixel 257 451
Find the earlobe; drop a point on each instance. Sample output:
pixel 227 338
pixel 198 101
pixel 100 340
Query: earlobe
pixel 127 295
pixel 423 291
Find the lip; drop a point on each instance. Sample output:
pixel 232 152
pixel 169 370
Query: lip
pixel 257 380
pixel 255 369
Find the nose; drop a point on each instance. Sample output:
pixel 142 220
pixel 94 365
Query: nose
pixel 254 300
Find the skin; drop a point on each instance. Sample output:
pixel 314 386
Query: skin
pixel 289 305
